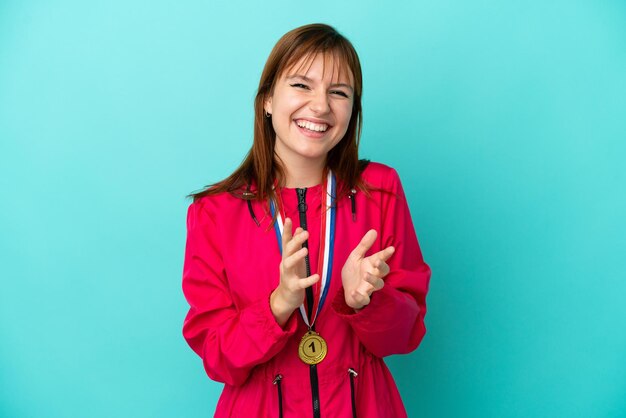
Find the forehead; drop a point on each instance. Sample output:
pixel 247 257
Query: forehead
pixel 332 66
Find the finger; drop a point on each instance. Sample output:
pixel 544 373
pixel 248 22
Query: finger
pixel 375 281
pixel 296 242
pixel 308 281
pixel 293 260
pixel 301 236
pixel 360 298
pixel 381 269
pixel 385 254
pixel 365 288
pixel 366 243
pixel 287 227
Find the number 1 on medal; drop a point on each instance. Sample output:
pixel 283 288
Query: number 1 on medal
pixel 312 348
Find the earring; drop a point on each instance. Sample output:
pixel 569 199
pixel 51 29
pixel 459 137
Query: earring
pixel 267 115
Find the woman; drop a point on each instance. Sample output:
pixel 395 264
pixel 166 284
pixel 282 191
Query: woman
pixel 302 269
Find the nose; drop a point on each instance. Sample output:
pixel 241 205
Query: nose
pixel 319 102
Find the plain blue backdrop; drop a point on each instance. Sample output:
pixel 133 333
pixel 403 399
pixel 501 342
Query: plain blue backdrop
pixel 505 119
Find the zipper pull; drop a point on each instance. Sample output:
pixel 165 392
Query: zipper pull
pixel 302 206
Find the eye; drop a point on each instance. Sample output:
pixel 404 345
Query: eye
pixel 300 86
pixel 340 93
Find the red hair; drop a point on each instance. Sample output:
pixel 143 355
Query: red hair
pixel 261 166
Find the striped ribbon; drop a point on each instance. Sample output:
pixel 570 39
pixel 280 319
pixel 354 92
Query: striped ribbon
pixel 327 244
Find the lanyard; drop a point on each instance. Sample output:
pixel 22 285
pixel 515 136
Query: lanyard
pixel 327 243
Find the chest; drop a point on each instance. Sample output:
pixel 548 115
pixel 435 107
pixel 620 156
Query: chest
pixel 252 255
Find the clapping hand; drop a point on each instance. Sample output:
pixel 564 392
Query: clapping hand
pixel 361 276
pixel 289 294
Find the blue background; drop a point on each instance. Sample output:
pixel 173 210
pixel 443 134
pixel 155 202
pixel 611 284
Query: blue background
pixel 505 119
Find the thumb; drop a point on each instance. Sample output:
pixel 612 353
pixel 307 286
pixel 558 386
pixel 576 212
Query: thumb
pixel 366 243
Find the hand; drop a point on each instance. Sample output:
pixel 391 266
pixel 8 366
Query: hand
pixel 293 281
pixel 361 276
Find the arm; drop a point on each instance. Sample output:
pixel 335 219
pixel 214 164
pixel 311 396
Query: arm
pixel 230 340
pixel 393 321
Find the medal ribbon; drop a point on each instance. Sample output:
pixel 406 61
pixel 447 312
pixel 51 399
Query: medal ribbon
pixel 327 244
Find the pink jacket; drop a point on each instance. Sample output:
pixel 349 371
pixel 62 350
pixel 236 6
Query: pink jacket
pixel 231 268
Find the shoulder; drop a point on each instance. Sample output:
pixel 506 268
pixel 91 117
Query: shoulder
pixel 381 176
pixel 211 207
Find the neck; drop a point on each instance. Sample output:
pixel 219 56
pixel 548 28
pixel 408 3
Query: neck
pixel 301 174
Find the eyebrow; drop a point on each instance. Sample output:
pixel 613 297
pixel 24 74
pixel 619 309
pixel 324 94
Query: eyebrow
pixel 308 80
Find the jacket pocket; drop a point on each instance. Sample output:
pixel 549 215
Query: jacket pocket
pixel 277 383
pixel 353 375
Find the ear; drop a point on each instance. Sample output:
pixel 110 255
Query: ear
pixel 267 105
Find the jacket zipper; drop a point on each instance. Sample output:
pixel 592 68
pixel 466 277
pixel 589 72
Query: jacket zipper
pixel 276 382
pixel 302 208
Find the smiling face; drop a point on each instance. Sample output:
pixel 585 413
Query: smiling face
pixel 311 105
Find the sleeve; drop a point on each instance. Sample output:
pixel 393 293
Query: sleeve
pixel 230 340
pixel 393 322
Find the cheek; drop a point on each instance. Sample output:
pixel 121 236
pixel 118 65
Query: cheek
pixel 345 112
pixel 286 105
pixel 343 126
pixel 281 115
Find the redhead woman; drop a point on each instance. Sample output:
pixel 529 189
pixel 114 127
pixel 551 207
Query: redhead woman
pixel 302 268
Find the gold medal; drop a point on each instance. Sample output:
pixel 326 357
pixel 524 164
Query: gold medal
pixel 312 348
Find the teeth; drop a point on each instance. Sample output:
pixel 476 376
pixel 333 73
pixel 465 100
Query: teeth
pixel 318 127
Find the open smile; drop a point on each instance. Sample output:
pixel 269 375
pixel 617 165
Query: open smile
pixel 312 126
pixel 312 129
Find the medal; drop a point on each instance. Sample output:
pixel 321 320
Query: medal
pixel 312 348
